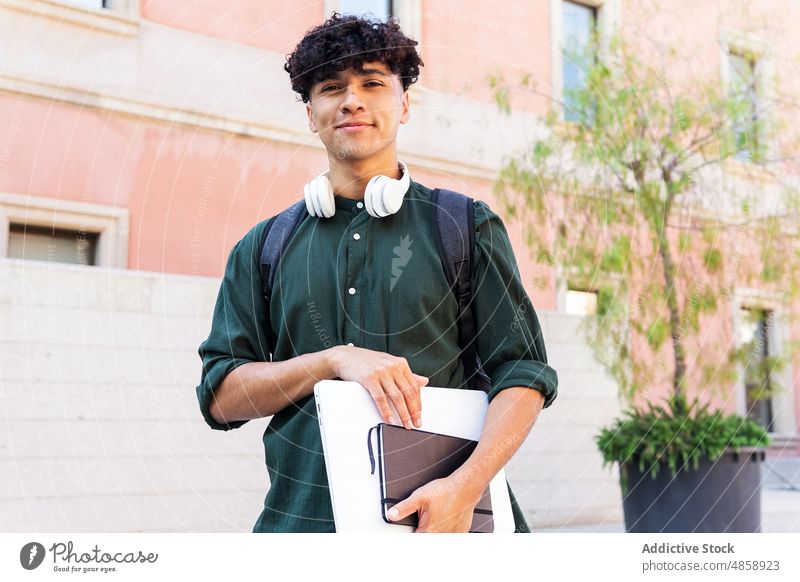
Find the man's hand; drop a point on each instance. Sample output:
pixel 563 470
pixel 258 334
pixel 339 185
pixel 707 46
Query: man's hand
pixel 386 378
pixel 443 505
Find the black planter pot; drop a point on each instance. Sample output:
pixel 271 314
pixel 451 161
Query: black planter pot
pixel 719 497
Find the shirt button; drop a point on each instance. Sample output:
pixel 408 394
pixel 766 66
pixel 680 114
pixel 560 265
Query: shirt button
pixel 360 204
pixel 356 236
pixel 350 344
pixel 352 291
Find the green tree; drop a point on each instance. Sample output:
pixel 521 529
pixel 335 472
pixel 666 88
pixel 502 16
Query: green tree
pixel 645 199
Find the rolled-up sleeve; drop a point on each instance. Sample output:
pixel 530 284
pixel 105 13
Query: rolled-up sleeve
pixel 237 327
pixel 510 342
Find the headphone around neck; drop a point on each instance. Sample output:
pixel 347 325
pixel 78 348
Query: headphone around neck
pixel 383 196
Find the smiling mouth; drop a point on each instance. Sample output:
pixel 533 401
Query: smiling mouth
pixel 351 128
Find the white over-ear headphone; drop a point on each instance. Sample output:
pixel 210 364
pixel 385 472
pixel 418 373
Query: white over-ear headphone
pixel 383 196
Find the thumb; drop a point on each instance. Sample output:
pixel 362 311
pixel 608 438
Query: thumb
pixel 403 509
pixel 421 379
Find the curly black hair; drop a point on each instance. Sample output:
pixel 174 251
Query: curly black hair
pixel 344 42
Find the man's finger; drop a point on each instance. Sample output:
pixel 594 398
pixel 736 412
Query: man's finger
pixel 403 509
pixel 393 392
pixel 410 389
pixel 423 521
pixel 381 402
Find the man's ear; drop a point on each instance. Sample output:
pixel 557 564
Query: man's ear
pixel 406 107
pixel 311 124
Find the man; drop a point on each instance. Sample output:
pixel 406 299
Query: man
pixel 360 295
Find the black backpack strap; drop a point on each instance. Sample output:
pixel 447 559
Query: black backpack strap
pixel 454 228
pixel 276 237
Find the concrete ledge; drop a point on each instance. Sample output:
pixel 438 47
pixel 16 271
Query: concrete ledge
pixel 119 23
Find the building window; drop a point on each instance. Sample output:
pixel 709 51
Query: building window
pixel 57 245
pixel 63 231
pixel 746 91
pixel 580 302
pixel 408 12
pixel 88 4
pixel 579 51
pixel 130 7
pixel 378 9
pixel 754 334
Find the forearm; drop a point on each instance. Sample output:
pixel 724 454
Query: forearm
pixel 510 417
pixel 260 389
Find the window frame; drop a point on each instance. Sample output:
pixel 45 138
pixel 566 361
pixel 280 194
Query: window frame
pixel 778 334
pixel 408 12
pixel 568 278
pixel 124 7
pixel 80 4
pixel 754 65
pixel 111 224
pixel 607 19
pixel 732 42
pixel 338 7
pixel 57 233
pixel 765 322
pixel 595 15
pixel 570 288
pixel 122 20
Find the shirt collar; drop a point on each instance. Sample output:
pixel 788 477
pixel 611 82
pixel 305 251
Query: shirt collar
pixel 347 204
pixel 350 205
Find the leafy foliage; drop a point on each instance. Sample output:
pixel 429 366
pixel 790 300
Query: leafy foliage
pixel 677 436
pixel 618 197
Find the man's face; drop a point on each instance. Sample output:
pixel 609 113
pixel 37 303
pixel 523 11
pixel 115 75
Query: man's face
pixel 374 98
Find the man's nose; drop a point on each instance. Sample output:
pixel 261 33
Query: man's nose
pixel 352 98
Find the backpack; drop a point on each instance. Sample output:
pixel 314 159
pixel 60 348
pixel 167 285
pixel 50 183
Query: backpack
pixel 454 231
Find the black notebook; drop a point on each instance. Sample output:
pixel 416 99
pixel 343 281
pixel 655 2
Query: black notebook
pixel 408 459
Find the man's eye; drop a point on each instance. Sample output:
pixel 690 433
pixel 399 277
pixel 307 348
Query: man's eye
pixel 329 88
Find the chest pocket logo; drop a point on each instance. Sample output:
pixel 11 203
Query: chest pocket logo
pixel 402 254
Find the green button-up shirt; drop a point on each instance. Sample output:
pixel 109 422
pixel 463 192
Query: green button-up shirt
pixel 377 283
